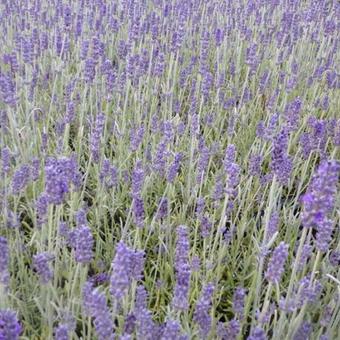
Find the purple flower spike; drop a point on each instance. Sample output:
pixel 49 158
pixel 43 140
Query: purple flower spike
pixel 127 265
pixel 41 265
pixel 257 334
pixel 10 327
pixel 276 264
pixel 238 302
pixel 182 266
pixel 83 244
pixel 201 315
pixel 4 261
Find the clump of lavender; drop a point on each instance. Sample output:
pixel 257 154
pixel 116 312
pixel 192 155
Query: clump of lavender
pixel 276 264
pixel 201 314
pixel 42 267
pixel 182 267
pixel 319 202
pixel 172 330
pixel 126 266
pixel 59 175
pixel 95 305
pixel 10 328
pixel 145 326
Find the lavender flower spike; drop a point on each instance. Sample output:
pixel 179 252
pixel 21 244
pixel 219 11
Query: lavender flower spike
pixel 276 264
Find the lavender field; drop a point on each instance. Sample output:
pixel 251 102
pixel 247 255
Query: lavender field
pixel 170 169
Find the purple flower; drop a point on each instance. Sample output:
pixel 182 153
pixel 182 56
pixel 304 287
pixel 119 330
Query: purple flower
pixel 95 305
pixel 238 302
pixel 138 211
pixel 257 334
pixel 174 167
pixel 96 134
pixel 162 210
pixel 233 329
pixel 6 159
pixel 281 163
pixel 42 267
pixel 136 137
pixel 172 331
pixel 160 159
pixel 62 332
pixel 137 179
pixel 201 314
pixel 146 328
pixel 305 254
pixel 21 178
pixel 42 208
pixel 4 261
pixel 10 327
pixel 182 267
pixel 303 332
pixel 59 174
pixel 273 224
pixel 319 202
pixel 127 265
pixel 255 162
pixel 276 264
pixel 83 244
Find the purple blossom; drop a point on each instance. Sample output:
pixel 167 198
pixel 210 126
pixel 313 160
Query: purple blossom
pixel 10 328
pixel 281 163
pixel 174 167
pixel 96 135
pixel 319 201
pixel 137 179
pixel 61 332
pixel 127 265
pixel 276 264
pixel 273 224
pixel 83 244
pixel 257 334
pixel 202 310
pixel 95 305
pixel 182 267
pixel 303 332
pixel 21 178
pixel 172 331
pixel 255 162
pixel 41 265
pixel 4 261
pixel 238 302
pixel 138 211
pixel 59 175
pixel 6 160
